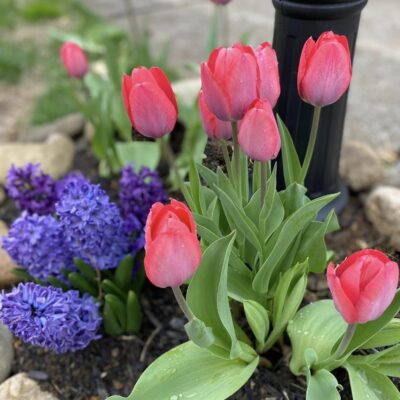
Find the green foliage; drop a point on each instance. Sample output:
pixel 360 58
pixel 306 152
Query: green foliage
pixel 37 10
pixel 191 372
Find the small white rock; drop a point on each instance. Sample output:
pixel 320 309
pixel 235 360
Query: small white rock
pixel 21 387
pixel 360 166
pixel 6 352
pixel 55 155
pixel 7 277
pixel 383 210
pixel 392 175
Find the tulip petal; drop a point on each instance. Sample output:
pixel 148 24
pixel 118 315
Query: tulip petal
pixel 214 96
pixel 352 259
pixel 342 302
pixel 350 280
pixel 378 294
pixel 126 88
pixel 172 259
pixel 152 112
pixel 308 49
pixel 164 84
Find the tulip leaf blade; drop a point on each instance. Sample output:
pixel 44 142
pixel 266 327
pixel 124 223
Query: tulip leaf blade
pixel 212 306
pixel 366 383
pixel 291 162
pixel 139 154
pixel 317 326
pixel 388 336
pixel 258 319
pixel 322 385
pixel 191 372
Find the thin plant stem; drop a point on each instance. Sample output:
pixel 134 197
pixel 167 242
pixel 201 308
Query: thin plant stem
pixel 227 160
pixel 182 303
pixel 348 335
pixel 263 184
pixel 98 280
pixel 311 143
pixel 236 156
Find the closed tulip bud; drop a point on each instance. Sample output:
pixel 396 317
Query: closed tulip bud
pixel 363 286
pixel 230 81
pixel 74 60
pixel 325 69
pixel 172 249
pixel 270 88
pixel 214 127
pixel 150 102
pixel 258 132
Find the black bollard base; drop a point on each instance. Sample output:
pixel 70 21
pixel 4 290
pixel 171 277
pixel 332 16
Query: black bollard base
pixel 339 204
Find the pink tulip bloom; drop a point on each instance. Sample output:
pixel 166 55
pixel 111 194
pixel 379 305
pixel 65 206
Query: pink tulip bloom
pixel 150 102
pixel 221 2
pixel 74 60
pixel 172 249
pixel 270 88
pixel 325 69
pixel 258 132
pixel 363 286
pixel 230 81
pixel 214 127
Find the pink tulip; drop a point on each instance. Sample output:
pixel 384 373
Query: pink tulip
pixel 214 127
pixel 258 132
pixel 230 81
pixel 324 70
pixel 74 60
pixel 363 286
pixel 270 88
pixel 150 102
pixel 172 249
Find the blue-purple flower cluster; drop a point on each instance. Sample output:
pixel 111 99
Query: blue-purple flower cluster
pixel 50 318
pixel 37 243
pixel 92 225
pixel 31 189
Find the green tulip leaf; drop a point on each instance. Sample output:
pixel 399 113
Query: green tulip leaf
pixel 257 317
pixel 366 383
pixel 139 154
pixel 322 385
pixel 190 372
pixel 388 336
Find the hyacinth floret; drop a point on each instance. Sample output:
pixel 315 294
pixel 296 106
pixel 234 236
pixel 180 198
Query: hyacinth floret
pixel 50 318
pixel 138 192
pixel 37 244
pixel 92 225
pixel 31 189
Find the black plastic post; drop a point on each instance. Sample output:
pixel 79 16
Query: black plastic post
pixel 295 22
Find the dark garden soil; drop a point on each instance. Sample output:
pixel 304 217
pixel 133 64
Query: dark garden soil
pixel 112 365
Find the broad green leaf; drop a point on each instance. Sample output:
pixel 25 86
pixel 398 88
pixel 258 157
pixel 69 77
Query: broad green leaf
pixel 190 372
pixel 369 384
pixel 322 385
pixel 209 176
pixel 365 332
pixel 290 159
pixel 195 188
pixel 290 229
pixel 133 313
pixel 388 336
pixel 199 333
pixel 386 362
pixel 242 223
pixel 239 287
pixel 257 317
pixel 293 198
pixel 207 294
pixel 317 326
pixel 226 186
pixel 123 273
pixel 139 154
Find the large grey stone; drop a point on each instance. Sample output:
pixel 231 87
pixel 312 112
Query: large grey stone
pixel 360 166
pixel 383 210
pixel 6 352
pixel 21 387
pixel 392 175
pixel 55 155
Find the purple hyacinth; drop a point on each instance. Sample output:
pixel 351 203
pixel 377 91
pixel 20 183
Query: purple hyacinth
pixel 50 318
pixel 37 244
pixel 92 225
pixel 31 189
pixel 137 193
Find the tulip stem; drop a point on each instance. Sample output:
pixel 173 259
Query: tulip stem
pixel 236 156
pixel 263 185
pixel 311 144
pixel 348 335
pixel 227 160
pixel 182 303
